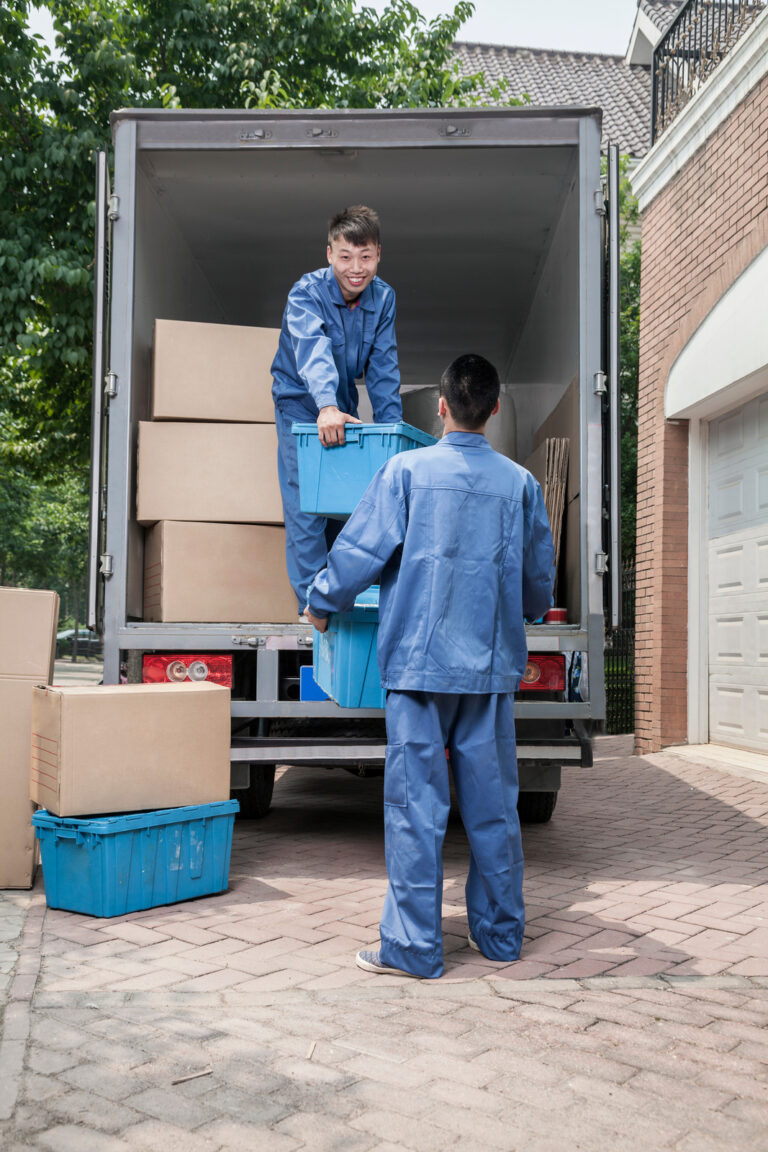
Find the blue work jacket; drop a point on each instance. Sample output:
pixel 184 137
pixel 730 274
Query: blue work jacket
pixel 325 346
pixel 458 537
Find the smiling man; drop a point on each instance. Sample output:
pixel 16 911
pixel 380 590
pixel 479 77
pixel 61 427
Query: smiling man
pixel 338 326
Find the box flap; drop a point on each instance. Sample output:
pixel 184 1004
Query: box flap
pixel 45 759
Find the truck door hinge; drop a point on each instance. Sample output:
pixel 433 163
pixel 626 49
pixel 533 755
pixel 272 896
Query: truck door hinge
pixel 601 383
pixel 453 131
pixel 113 211
pixel 601 563
pixel 105 568
pixel 110 385
pixel 255 135
pixel 599 202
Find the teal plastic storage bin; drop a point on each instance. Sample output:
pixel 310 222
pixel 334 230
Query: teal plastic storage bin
pixel 344 656
pixel 332 480
pixel 109 865
pixel 308 689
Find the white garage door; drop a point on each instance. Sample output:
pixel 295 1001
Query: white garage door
pixel 738 577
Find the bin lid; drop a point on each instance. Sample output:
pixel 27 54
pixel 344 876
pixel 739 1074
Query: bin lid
pixel 103 825
pixel 354 432
pixel 369 598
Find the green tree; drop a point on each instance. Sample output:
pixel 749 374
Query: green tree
pixel 629 321
pixel 54 114
pixel 628 377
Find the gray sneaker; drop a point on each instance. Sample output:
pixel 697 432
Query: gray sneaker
pixel 473 943
pixel 371 962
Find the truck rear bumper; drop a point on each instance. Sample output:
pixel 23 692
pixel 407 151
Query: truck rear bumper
pixel 329 751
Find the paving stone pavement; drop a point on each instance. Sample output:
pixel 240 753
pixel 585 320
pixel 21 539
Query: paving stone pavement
pixel 635 1018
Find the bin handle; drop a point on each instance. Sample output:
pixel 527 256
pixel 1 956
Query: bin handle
pixel 76 834
pixel 65 833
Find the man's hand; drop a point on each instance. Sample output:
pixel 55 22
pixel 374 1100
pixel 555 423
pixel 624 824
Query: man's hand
pixel 330 425
pixel 318 622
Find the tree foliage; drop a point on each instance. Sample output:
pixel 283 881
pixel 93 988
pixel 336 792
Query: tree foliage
pixel 629 329
pixel 54 115
pixel 44 532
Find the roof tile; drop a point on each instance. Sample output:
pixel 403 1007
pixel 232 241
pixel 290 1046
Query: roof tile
pixel 554 79
pixel 661 12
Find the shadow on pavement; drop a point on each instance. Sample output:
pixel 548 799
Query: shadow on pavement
pixel 646 868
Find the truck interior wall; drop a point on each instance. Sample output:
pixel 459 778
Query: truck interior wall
pixel 544 380
pixel 484 255
pixel 169 285
pixel 546 358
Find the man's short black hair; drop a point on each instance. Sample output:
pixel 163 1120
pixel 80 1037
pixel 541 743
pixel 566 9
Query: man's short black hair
pixel 470 385
pixel 358 225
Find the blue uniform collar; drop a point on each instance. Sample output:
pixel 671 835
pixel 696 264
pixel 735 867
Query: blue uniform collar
pixel 367 302
pixel 466 440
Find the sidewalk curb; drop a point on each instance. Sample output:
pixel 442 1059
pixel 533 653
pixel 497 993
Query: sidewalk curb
pixel 18 1007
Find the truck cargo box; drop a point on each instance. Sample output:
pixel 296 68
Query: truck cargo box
pixel 493 236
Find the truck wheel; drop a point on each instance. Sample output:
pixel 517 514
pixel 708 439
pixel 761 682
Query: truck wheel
pixel 536 807
pixel 255 800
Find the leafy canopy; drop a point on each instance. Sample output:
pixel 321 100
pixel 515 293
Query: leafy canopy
pixel 54 114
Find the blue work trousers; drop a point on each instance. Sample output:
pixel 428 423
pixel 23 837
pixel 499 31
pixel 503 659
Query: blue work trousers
pixel 479 732
pixel 307 536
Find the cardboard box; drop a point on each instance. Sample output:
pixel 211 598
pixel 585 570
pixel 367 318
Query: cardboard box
pixel 210 472
pixel 17 837
pixel 129 747
pixel 213 372
pixel 232 573
pixel 28 622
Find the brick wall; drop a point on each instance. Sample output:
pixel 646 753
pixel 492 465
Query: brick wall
pixel 698 235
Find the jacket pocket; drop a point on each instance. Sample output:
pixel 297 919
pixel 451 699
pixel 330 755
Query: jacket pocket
pixel 395 776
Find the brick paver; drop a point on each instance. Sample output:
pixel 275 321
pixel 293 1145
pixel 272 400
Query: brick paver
pixel 636 1015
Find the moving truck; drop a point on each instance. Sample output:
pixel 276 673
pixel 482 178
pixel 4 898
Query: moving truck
pixel 499 236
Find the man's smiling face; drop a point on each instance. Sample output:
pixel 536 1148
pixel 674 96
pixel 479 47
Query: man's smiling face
pixel 353 267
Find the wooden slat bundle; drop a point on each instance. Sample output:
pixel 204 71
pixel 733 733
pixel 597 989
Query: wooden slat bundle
pixel 549 464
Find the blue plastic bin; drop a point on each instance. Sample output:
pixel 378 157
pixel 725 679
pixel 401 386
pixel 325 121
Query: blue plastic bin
pixel 344 656
pixel 308 688
pixel 332 480
pixel 109 865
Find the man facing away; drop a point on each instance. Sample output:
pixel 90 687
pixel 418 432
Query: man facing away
pixel 459 539
pixel 338 325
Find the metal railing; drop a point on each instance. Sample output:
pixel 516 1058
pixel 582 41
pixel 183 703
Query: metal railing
pixel 700 36
pixel 620 663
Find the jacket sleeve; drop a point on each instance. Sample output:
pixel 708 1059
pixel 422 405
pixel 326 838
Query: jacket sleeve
pixel 374 531
pixel 311 346
pixel 538 553
pixel 382 373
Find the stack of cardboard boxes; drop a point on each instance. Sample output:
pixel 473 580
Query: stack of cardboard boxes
pixel 207 485
pixel 28 622
pixel 157 751
pixel 133 780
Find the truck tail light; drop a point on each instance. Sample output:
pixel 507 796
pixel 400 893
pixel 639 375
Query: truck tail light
pixel 177 668
pixel 544 673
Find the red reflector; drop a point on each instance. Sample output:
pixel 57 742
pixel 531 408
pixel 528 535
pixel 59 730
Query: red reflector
pixel 544 673
pixel 176 668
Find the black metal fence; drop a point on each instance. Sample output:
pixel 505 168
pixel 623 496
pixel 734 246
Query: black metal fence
pixel 620 663
pixel 700 36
